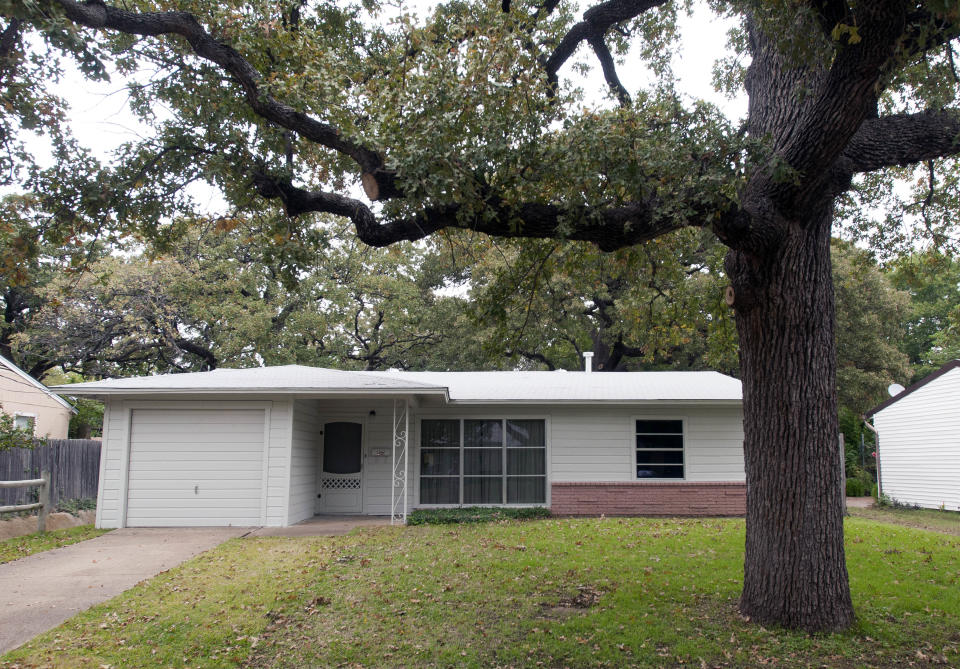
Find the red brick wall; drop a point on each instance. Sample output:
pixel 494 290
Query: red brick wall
pixel 649 498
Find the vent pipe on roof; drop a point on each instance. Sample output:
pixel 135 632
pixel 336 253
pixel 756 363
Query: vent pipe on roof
pixel 588 361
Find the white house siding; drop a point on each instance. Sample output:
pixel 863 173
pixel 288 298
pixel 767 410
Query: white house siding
pixel 377 438
pixel 920 445
pixel 598 443
pixel 305 455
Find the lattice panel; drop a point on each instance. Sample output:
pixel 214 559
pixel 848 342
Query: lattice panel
pixel 341 484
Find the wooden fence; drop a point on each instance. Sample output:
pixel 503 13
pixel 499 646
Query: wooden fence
pixel 42 507
pixel 74 466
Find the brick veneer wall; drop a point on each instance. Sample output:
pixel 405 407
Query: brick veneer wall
pixel 649 498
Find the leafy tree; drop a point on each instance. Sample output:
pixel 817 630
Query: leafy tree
pixel 656 306
pixel 223 296
pixel 870 330
pixel 461 121
pixel 933 328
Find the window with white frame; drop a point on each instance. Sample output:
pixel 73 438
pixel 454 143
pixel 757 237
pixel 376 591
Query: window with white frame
pixel 25 422
pixel 483 461
pixel 659 449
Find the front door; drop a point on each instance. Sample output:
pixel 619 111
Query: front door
pixel 341 475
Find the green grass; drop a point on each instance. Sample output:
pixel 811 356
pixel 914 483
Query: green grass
pixel 926 519
pixel 559 592
pixel 28 544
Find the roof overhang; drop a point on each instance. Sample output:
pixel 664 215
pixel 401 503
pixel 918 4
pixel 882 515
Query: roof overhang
pixel 306 393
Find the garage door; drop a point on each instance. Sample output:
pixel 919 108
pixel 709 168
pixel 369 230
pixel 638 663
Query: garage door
pixel 195 467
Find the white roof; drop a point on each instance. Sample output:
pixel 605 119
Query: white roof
pixel 581 386
pixel 455 387
pixel 33 382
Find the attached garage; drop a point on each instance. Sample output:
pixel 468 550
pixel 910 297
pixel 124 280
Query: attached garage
pixel 196 467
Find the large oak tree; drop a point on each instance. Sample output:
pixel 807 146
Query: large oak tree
pixel 463 121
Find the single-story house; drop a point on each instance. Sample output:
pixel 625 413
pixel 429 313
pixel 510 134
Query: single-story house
pixel 273 446
pixel 918 454
pixel 31 404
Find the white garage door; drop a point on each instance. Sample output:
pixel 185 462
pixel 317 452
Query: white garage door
pixel 195 467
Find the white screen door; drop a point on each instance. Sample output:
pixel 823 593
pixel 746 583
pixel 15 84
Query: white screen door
pixel 341 476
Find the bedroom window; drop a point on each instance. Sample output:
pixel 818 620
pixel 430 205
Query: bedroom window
pixel 483 461
pixel 659 449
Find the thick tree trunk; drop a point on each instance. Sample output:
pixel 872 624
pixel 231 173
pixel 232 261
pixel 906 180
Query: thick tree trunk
pixel 794 569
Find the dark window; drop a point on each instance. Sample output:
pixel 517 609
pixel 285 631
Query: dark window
pixel 496 461
pixel 342 448
pixel 659 449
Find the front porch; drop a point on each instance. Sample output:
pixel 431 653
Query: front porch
pixel 350 458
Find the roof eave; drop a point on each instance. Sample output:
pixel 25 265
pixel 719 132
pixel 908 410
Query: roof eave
pixel 932 376
pixel 104 392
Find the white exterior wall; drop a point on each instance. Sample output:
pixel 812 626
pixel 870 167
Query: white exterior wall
pixel 305 458
pixel 115 454
pixel 920 445
pixel 584 444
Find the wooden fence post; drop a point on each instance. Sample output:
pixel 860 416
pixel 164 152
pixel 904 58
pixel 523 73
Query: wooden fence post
pixel 44 501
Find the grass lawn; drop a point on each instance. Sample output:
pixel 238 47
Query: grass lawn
pixel 927 519
pixel 554 593
pixel 28 544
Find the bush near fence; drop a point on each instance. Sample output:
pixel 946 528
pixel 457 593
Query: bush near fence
pixel 74 465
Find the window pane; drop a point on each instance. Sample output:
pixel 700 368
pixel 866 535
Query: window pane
pixel 440 461
pixel 529 433
pixel 660 441
pixel 526 490
pixel 482 490
pixel 660 426
pixel 660 457
pixel 24 423
pixel 342 453
pixel 440 433
pixel 482 434
pixel 482 461
pixel 526 461
pixel 439 490
pixel 659 472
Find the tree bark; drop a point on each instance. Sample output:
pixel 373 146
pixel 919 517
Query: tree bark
pixel 794 569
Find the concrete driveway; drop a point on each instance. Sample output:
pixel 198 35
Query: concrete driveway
pixel 39 592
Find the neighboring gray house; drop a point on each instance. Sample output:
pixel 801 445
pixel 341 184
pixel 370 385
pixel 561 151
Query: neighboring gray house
pixel 273 446
pixel 919 441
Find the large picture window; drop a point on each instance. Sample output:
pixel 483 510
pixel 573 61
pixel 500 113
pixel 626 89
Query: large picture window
pixel 483 461
pixel 660 449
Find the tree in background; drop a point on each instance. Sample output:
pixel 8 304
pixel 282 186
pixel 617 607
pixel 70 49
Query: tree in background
pixel 933 328
pixel 871 314
pixel 222 295
pixel 655 306
pixel 462 121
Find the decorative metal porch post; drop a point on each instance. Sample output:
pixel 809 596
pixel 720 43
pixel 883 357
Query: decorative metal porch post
pixel 401 430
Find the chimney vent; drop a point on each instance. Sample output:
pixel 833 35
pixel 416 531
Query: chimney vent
pixel 588 361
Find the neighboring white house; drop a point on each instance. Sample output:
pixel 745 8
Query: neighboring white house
pixel 273 446
pixel 919 441
pixel 31 404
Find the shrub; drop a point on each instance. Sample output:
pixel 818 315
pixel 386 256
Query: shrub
pixel 75 506
pixel 474 514
pixel 855 488
pixel 875 492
